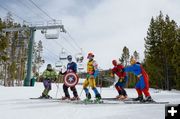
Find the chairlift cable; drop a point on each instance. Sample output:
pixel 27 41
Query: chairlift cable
pixel 41 9
pixel 65 39
pixel 30 9
pixel 62 46
pixel 73 40
pixel 13 13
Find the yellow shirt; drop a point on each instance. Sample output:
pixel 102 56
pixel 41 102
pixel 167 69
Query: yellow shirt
pixel 91 66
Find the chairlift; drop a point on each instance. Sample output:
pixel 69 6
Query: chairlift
pixel 79 58
pixel 58 64
pixel 63 55
pixel 80 66
pixel 52 34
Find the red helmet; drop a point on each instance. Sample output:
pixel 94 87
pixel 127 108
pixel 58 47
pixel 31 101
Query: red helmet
pixel 90 55
pixel 114 62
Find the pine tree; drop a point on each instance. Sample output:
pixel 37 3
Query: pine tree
pixel 176 59
pixel 136 55
pixel 125 56
pixel 161 37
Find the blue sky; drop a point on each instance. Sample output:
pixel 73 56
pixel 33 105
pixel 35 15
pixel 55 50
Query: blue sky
pixel 101 26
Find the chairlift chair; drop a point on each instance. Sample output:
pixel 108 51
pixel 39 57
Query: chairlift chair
pixel 79 58
pixel 52 34
pixel 80 66
pixel 58 64
pixel 63 56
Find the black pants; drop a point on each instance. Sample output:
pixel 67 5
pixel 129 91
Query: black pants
pixel 73 89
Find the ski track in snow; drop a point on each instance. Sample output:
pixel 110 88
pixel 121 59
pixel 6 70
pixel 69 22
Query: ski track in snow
pixel 15 104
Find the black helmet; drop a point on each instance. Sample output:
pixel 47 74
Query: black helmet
pixel 69 57
pixel 49 65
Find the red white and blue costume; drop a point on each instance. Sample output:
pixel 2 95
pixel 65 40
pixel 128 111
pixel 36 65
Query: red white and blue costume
pixel 142 86
pixel 117 69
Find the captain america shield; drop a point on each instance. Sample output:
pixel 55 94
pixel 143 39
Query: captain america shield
pixel 71 79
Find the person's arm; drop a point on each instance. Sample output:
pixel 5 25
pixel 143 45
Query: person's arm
pixel 44 74
pixel 113 71
pixel 123 73
pixel 75 67
pixel 96 71
pixel 60 72
pixel 128 69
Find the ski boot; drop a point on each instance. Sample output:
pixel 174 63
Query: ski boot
pixel 75 98
pixel 122 97
pixel 65 98
pixel 48 97
pixel 98 99
pixel 43 96
pixel 148 99
pixel 118 96
pixel 139 98
pixel 88 98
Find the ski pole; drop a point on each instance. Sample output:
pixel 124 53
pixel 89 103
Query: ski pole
pixel 81 92
pixel 100 86
pixel 57 90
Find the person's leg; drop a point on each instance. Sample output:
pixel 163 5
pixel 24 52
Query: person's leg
pixel 46 85
pixel 139 92
pixel 85 85
pixel 118 88
pixel 73 89
pixel 122 92
pixel 123 85
pixel 92 84
pixel 66 92
pixel 145 90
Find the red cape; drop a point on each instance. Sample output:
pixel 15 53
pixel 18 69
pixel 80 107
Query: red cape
pixel 146 77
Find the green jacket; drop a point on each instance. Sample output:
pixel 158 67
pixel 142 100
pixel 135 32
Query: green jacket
pixel 52 75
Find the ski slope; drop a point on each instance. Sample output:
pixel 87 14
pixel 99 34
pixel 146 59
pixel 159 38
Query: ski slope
pixel 15 104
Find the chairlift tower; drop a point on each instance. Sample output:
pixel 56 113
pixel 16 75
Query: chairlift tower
pixel 32 30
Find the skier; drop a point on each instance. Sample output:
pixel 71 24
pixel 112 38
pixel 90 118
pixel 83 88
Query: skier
pixel 71 67
pixel 49 75
pixel 92 73
pixel 117 69
pixel 142 86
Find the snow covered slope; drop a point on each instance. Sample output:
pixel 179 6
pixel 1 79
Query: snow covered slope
pixel 15 104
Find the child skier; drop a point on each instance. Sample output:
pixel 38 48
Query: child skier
pixel 142 86
pixel 92 72
pixel 49 75
pixel 71 67
pixel 122 80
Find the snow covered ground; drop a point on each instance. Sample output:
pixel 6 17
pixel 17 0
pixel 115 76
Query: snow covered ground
pixel 15 104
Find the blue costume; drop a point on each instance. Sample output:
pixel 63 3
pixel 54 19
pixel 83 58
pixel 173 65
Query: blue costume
pixel 71 67
pixel 142 85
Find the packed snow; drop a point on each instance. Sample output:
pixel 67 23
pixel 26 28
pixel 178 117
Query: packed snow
pixel 15 104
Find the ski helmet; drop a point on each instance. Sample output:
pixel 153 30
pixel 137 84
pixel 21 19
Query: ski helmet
pixel 49 66
pixel 90 55
pixel 114 62
pixel 69 57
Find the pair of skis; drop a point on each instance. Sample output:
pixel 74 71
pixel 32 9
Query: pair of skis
pixel 103 101
pixel 131 101
pixel 85 101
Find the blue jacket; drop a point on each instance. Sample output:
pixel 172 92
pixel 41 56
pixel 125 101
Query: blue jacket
pixel 72 66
